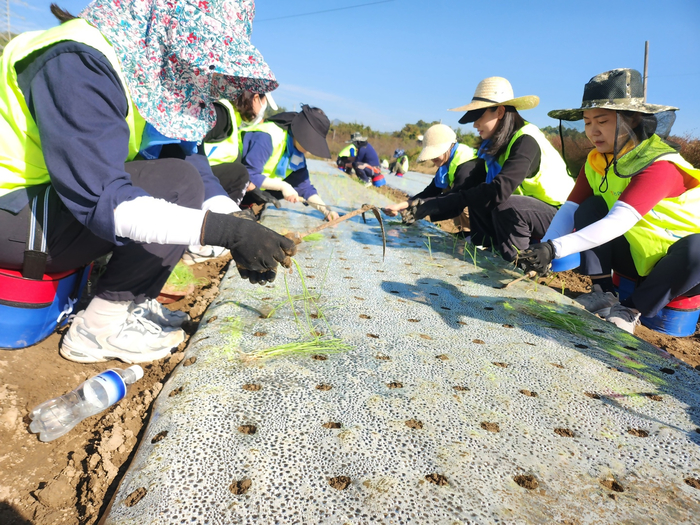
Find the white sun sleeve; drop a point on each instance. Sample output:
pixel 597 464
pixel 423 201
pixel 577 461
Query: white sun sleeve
pixel 151 220
pixel 562 223
pixel 619 220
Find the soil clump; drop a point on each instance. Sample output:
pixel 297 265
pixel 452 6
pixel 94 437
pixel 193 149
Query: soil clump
pixel 491 427
pixel 340 482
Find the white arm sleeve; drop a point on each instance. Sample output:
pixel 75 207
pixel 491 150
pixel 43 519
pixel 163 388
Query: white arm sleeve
pixel 617 222
pixel 278 185
pixel 317 202
pixel 563 222
pixel 151 220
pixel 220 204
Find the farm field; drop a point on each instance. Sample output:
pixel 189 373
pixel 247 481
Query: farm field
pixel 451 392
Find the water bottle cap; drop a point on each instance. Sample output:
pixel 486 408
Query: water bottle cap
pixel 138 371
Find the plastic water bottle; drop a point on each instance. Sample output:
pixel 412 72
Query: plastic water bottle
pixel 55 417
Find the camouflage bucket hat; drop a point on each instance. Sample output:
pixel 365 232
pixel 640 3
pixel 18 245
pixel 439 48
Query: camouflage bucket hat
pixel 618 90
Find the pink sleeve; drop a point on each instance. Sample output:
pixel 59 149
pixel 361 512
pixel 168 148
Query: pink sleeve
pixel 659 181
pixel 582 189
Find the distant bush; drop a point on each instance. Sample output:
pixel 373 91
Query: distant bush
pixel 576 148
pixel 689 148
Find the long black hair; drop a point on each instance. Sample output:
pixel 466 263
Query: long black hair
pixel 509 124
pixel 61 14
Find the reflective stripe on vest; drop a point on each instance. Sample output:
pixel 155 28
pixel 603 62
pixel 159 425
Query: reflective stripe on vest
pixel 279 144
pixel 668 221
pixel 551 184
pixel 227 150
pixel 21 158
pixel 463 154
pixel 348 151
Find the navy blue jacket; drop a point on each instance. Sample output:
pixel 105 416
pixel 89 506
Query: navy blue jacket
pixel 79 105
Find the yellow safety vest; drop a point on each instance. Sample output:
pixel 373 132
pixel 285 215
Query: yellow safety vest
pixel 21 158
pixel 228 149
pixel 279 144
pixel 551 184
pixel 668 221
pixel 463 154
pixel 348 151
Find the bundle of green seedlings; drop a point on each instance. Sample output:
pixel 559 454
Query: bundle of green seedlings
pixel 313 341
pixel 563 321
pixel 182 277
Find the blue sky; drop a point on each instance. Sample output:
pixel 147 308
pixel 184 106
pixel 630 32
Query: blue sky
pixel 403 60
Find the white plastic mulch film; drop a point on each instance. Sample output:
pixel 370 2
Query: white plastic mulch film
pixel 456 402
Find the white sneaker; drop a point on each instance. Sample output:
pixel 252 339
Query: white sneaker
pixel 196 254
pixel 137 340
pixel 368 184
pixel 624 318
pixel 598 302
pixel 157 313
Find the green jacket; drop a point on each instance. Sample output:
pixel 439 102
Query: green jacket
pixel 670 220
pixel 21 158
pixel 551 184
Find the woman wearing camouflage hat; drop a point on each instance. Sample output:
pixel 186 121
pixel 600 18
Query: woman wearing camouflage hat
pixel 635 208
pixel 520 180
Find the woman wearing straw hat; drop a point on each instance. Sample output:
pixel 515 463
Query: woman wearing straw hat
pixel 454 162
pixel 515 189
pixel 78 103
pixel 635 206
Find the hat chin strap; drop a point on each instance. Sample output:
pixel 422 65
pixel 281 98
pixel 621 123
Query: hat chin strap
pixel 481 99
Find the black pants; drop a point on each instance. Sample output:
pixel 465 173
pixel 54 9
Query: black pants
pixel 234 178
pixel 364 174
pixel 510 226
pixel 677 273
pixel 136 270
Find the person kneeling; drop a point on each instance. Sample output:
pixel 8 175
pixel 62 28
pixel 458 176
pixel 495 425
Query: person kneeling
pixel 635 208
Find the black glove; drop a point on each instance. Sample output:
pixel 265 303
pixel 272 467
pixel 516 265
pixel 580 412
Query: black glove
pixel 255 248
pixel 537 257
pixel 419 209
pixel 410 214
pixel 262 197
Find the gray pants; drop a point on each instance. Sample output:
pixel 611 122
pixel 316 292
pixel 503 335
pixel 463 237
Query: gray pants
pixel 135 270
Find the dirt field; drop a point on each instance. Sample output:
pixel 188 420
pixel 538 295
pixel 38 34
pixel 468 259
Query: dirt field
pixel 72 479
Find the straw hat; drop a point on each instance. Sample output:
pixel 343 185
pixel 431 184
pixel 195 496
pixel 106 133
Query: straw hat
pixel 436 141
pixel 496 91
pixel 271 101
pixel 617 89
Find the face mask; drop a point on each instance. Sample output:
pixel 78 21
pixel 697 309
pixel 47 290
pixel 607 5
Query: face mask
pixel 261 113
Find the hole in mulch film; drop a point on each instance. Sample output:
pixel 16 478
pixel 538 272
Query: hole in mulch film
pixel 136 496
pixel 159 436
pixel 240 487
pixel 527 482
